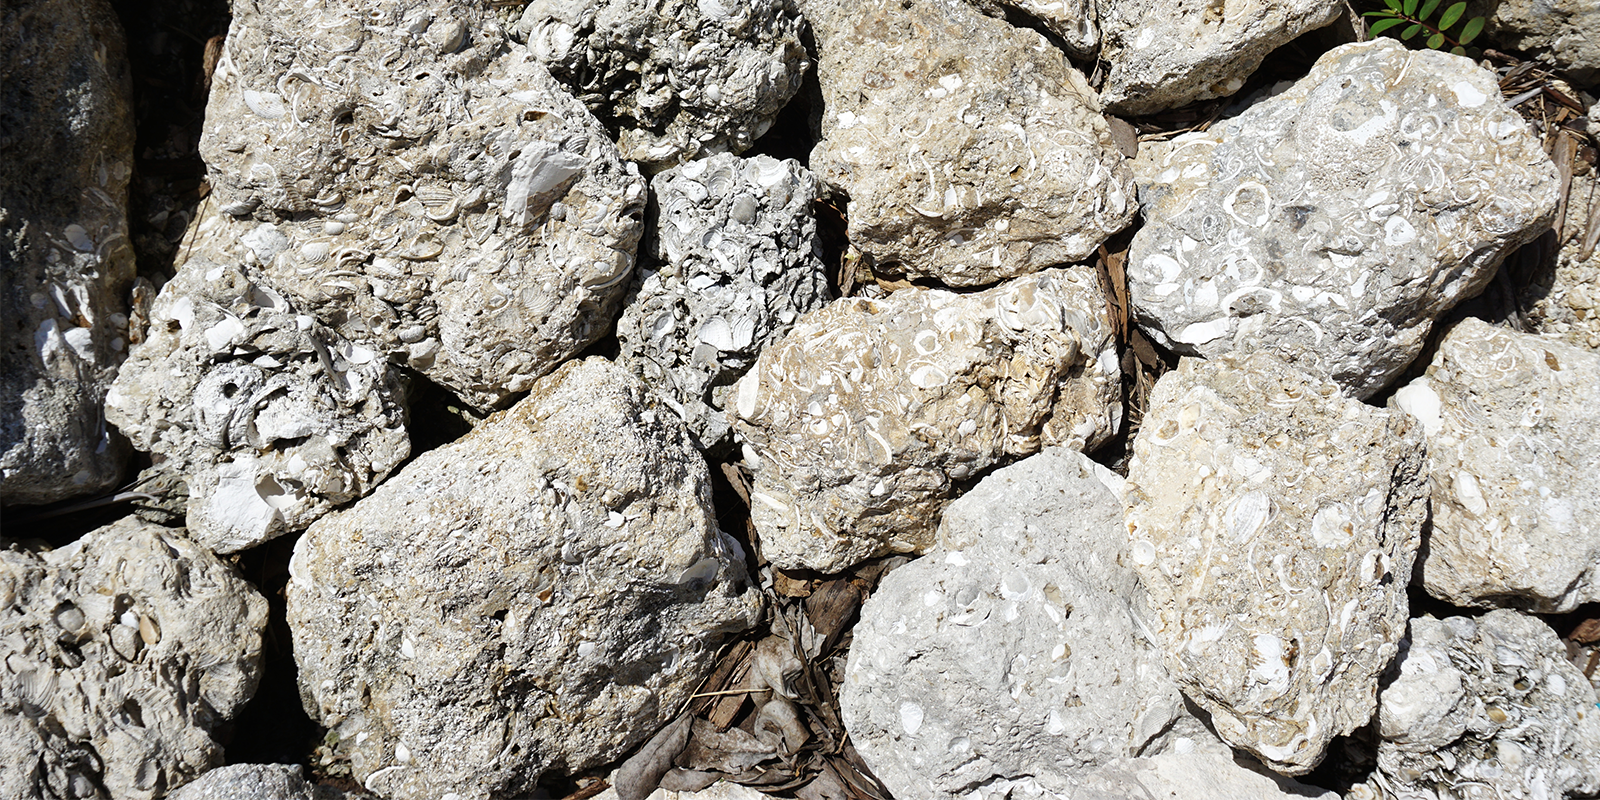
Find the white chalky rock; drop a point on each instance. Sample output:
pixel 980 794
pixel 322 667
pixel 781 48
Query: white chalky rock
pixel 1191 776
pixel 1335 221
pixel 862 416
pixel 539 595
pixel 1513 432
pixel 120 654
pixel 272 418
pixel 1275 522
pixel 424 186
pixel 971 151
pixel 1486 708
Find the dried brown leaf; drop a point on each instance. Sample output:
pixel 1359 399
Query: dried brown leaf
pixel 641 773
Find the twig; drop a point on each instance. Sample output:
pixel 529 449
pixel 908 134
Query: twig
pixel 726 692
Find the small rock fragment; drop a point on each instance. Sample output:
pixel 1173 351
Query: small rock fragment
pixel 1564 33
pixel 248 782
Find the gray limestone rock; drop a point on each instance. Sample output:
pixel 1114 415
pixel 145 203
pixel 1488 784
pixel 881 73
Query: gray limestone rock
pixel 1275 522
pixel 970 151
pixel 65 258
pixel 1513 432
pixel 1162 54
pixel 1486 707
pixel 1077 22
pixel 1334 222
pixel 679 78
pixel 122 652
pixel 272 418
pixel 736 264
pixel 537 596
pixel 1191 776
pixel 248 782
pixel 1565 302
pixel 422 186
pixel 1565 33
pixel 862 416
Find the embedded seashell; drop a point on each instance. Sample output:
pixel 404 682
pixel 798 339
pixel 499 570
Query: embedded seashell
pixel 315 252
pixel 268 105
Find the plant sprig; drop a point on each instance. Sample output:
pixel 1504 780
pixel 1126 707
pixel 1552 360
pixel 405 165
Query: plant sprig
pixel 1401 12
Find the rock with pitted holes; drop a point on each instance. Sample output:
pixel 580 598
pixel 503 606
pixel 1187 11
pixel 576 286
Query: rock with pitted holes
pixel 539 595
pixel 1334 222
pixel 66 154
pixel 735 263
pixel 273 418
pixel 422 185
pixel 1275 522
pixel 122 653
pixel 1513 434
pixel 680 79
pixel 862 417
pixel 971 151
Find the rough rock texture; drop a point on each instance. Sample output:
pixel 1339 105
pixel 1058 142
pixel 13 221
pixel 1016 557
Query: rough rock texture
pixel 1334 222
pixel 1566 33
pixel 678 78
pixel 862 416
pixel 539 595
pixel 1191 776
pixel 1513 432
pixel 422 186
pixel 1077 22
pixel 65 258
pixel 1163 54
pixel 1275 522
pixel 971 151
pixel 122 652
pixel 1565 303
pixel 1489 708
pixel 735 264
pixel 1006 666
pixel 248 782
pixel 272 418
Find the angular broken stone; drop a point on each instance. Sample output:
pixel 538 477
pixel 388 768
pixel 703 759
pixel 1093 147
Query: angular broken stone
pixel 272 418
pixel 1334 222
pixel 65 159
pixel 539 595
pixel 422 186
pixel 1275 522
pixel 736 263
pixel 123 652
pixel 863 415
pixel 1513 433
pixel 1163 56
pixel 1565 302
pixel 1564 33
pixel 970 151
pixel 680 79
pixel 1486 702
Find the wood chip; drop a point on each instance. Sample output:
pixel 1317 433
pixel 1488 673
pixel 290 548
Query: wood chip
pixel 831 607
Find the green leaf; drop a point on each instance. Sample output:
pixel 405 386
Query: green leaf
pixel 1452 14
pixel 1382 25
pixel 1436 41
pixel 1394 5
pixel 1410 7
pixel 1473 27
pixel 1427 9
pixel 1411 32
pixel 1460 51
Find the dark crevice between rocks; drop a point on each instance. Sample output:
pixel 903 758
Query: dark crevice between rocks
pixel 793 132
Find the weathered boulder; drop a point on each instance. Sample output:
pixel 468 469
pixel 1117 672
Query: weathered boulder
pixel 1161 55
pixel 1191 776
pixel 1275 522
pixel 272 418
pixel 1486 702
pixel 680 79
pixel 539 595
pixel 1334 222
pixel 122 652
pixel 971 151
pixel 66 154
pixel 248 782
pixel 1077 22
pixel 1513 433
pixel 1564 33
pixel 422 186
pixel 735 264
pixel 861 417
pixel 1564 303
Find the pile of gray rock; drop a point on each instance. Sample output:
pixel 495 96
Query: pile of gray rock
pixel 430 192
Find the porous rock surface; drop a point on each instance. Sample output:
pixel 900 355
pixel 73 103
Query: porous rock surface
pixel 64 249
pixel 248 782
pixel 1163 55
pixel 734 264
pixel 272 418
pixel 1486 707
pixel 422 186
pixel 1513 433
pixel 1008 666
pixel 1274 522
pixel 123 652
pixel 1077 22
pixel 971 151
pixel 1564 303
pixel 679 79
pixel 1191 776
pixel 862 416
pixel 1565 33
pixel 539 595
pixel 1335 221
